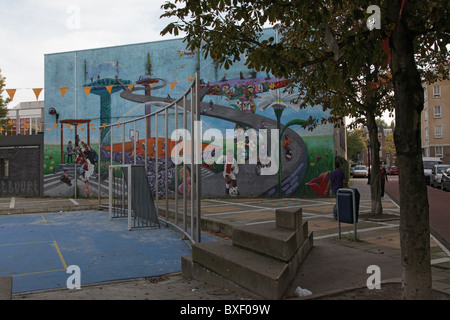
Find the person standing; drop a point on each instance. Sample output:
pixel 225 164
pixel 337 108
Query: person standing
pixel 383 178
pixel 69 152
pixel 336 181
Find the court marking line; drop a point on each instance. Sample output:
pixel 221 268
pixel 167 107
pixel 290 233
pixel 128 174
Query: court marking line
pixel 38 272
pixel 60 255
pixel 23 243
pixel 74 202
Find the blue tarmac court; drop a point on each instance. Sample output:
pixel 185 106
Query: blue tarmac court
pixel 36 249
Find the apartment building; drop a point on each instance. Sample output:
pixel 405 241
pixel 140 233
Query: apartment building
pixel 436 121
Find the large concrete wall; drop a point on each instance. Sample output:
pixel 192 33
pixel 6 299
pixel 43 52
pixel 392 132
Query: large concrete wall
pixel 237 89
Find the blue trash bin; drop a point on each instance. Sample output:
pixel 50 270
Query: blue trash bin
pixel 347 206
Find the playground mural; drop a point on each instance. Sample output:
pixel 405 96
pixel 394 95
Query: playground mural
pixel 87 90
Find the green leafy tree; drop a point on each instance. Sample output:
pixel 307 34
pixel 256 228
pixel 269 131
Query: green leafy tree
pixel 3 104
pixel 330 54
pixel 355 144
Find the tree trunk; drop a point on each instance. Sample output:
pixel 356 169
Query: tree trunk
pixel 414 214
pixel 375 184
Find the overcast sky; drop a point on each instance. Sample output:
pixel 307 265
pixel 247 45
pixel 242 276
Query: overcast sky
pixel 29 29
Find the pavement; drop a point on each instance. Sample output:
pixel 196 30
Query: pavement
pixel 333 267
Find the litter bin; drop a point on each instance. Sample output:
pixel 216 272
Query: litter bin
pixel 347 207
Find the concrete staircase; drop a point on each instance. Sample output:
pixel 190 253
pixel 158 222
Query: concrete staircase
pixel 260 259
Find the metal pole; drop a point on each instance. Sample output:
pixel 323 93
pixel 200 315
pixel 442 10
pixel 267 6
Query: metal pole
pixel 156 163
pixel 184 165
pixel 99 180
pixel 199 162
pixel 123 144
pixel 176 168
pixel 146 145
pixel 134 143
pixel 110 192
pixel 166 154
pixel 130 190
pixel 193 174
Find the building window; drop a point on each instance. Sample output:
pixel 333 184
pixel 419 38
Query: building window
pixel 425 111
pixel 436 91
pixel 438 152
pixel 438 132
pixel 425 93
pixel 437 112
pixel 4 168
pixel 427 134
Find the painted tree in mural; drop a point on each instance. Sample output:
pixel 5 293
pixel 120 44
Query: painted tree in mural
pixel 3 104
pixel 341 45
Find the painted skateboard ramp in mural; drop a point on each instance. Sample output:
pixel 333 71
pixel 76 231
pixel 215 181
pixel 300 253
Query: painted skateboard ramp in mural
pixel 248 181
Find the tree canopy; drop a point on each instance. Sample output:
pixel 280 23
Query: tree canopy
pixel 338 60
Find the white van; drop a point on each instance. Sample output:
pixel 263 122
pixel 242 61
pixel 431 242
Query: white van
pixel 428 165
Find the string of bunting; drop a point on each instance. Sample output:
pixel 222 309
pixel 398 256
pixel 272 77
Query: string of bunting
pixel 87 89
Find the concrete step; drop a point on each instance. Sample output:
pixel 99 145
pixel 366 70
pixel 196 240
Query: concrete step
pixel 269 240
pixel 263 275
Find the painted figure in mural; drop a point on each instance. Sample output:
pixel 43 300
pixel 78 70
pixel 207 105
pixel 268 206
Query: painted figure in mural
pixel 77 141
pixel 87 168
pixel 69 152
pixel 184 186
pixel 231 169
pixel 263 159
pixel 336 181
pixel 287 147
pixel 65 178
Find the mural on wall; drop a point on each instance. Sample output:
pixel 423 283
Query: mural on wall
pixel 111 85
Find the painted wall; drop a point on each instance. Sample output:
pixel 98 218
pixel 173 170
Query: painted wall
pixel 88 85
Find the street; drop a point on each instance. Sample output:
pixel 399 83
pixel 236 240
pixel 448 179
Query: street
pixel 439 204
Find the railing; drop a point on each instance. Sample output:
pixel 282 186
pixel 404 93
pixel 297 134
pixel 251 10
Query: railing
pixel 163 173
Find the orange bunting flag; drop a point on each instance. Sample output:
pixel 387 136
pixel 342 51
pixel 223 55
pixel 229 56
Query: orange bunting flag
pixel 67 125
pixel 191 79
pixel 11 93
pixel 82 129
pixel 55 125
pixel 71 127
pixel 131 87
pixel 118 125
pixel 104 125
pixel 93 128
pixel 48 128
pixel 37 92
pixel 63 91
pixel 173 84
pixel 87 90
pixel 109 88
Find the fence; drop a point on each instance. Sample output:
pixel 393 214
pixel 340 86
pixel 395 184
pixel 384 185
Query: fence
pixel 175 186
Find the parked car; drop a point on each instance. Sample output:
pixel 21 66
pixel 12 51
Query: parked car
pixel 352 168
pixel 393 170
pixel 360 171
pixel 428 164
pixel 446 179
pixel 436 175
